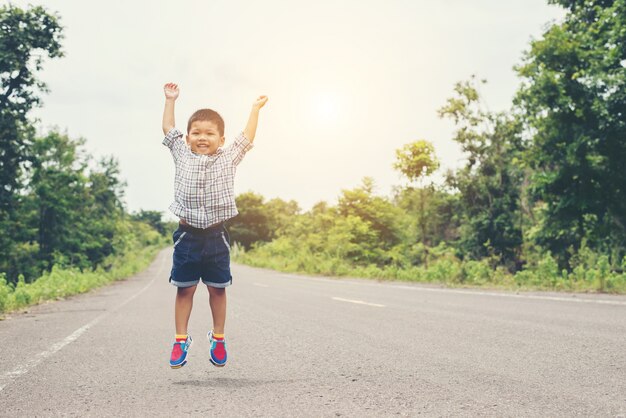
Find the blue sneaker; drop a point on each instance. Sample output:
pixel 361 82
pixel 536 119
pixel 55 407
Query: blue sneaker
pixel 179 353
pixel 218 350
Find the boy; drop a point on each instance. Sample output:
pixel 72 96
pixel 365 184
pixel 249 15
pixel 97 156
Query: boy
pixel 203 200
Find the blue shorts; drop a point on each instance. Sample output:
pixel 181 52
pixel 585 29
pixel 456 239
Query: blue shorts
pixel 201 254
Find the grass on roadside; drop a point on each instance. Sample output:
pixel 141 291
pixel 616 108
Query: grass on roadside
pixel 62 282
pixel 592 275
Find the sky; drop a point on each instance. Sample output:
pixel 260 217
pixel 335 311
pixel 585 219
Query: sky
pixel 349 82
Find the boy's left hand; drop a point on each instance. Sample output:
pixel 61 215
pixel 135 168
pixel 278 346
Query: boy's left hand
pixel 259 102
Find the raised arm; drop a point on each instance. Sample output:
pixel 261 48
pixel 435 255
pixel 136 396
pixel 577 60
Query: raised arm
pixel 253 120
pixel 171 94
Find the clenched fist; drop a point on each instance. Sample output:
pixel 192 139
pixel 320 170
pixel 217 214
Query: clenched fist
pixel 259 102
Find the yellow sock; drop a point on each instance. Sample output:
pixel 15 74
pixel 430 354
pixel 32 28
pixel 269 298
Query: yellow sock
pixel 218 336
pixel 181 337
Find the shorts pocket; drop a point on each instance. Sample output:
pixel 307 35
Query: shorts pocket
pixel 183 246
pixel 179 239
pixel 225 241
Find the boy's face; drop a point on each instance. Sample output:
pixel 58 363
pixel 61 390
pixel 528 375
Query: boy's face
pixel 204 138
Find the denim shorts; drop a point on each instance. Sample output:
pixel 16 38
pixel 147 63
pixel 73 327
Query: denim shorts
pixel 201 254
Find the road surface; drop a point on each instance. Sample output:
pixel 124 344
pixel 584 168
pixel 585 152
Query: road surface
pixel 304 346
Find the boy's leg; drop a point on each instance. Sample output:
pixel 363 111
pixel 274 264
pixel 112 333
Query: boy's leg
pixel 217 300
pixel 216 275
pixel 182 308
pixel 182 311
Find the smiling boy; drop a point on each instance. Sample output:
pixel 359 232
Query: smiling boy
pixel 204 199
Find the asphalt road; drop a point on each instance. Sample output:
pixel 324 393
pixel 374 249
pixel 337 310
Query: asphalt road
pixel 303 346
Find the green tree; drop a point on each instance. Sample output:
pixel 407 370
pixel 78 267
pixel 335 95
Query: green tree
pixel 252 223
pixel 416 161
pixel 490 183
pixel 281 215
pixel 27 38
pixel 153 218
pixel 260 221
pixel 57 196
pixel 71 213
pixel 352 238
pixel 310 230
pixel 438 212
pixel 103 210
pixel 573 98
pixel 382 216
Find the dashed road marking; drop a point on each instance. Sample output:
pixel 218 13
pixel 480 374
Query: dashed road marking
pixel 574 298
pixel 359 302
pixel 518 296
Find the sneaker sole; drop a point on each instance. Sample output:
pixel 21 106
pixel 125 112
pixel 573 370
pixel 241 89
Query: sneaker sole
pixel 178 366
pixel 210 359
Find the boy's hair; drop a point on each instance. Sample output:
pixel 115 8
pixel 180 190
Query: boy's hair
pixel 207 115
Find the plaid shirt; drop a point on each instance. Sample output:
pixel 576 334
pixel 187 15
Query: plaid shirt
pixel 204 184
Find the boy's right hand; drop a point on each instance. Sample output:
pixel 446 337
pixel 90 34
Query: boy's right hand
pixel 171 91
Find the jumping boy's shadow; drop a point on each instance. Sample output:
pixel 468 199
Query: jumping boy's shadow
pixel 233 382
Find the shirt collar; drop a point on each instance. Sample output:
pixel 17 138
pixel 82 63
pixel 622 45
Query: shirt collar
pixel 218 152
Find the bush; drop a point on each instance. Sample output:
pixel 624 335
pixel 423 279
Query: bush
pixel 593 274
pixel 140 244
pixel 476 272
pixel 5 291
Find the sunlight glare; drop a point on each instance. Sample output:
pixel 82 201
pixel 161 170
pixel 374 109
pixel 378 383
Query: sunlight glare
pixel 326 107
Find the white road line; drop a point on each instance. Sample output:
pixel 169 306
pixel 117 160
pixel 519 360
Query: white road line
pixel 359 302
pixel 418 288
pixel 22 369
pixel 260 284
pixel 511 295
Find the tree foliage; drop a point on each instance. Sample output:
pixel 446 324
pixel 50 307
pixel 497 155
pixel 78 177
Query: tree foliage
pixel 154 218
pixel 70 213
pixel 27 38
pixel 416 161
pixel 490 183
pixel 574 103
pixel 58 190
pixel 377 212
pixel 434 214
pixel 260 221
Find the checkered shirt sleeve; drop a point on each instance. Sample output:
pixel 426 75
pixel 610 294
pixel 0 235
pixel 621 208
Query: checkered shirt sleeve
pixel 238 148
pixel 174 141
